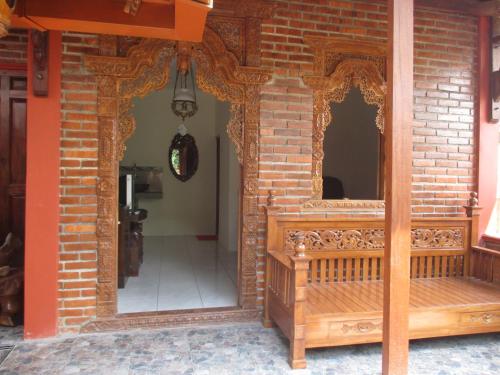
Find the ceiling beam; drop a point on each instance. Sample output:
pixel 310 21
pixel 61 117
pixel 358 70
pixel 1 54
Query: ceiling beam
pixel 164 19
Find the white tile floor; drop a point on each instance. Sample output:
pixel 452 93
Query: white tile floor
pixel 179 272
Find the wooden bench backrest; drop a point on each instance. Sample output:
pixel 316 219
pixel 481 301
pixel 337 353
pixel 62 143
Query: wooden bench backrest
pixel 352 249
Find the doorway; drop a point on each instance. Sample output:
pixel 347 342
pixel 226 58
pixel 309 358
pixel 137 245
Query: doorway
pixel 186 238
pixel 13 86
pixel 144 70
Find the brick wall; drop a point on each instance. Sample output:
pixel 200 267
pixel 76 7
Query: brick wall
pixel 443 127
pixel 443 135
pixel 14 48
pixel 78 256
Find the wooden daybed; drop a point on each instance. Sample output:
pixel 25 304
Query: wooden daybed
pixel 324 280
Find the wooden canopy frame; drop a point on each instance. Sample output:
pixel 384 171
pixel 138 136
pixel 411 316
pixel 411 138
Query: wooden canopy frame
pixel 144 70
pixel 340 64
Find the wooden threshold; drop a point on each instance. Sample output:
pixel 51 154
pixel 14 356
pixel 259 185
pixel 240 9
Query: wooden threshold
pixel 174 318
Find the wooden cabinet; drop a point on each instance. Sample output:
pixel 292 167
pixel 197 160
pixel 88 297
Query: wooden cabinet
pixel 130 244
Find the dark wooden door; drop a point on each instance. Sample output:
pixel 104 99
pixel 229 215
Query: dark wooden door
pixel 12 155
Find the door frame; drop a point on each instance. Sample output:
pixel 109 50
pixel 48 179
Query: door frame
pixel 144 70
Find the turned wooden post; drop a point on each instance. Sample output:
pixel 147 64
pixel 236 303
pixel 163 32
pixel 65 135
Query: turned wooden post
pixel 300 263
pixel 472 210
pixel 272 212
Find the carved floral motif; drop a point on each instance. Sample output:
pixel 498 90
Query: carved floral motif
pixel 231 31
pixel 362 327
pixel 343 204
pixel 437 238
pixel 484 318
pixel 340 239
pixel 373 238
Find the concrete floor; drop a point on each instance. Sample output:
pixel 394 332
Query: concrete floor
pixel 236 349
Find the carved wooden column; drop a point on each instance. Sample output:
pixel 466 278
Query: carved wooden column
pixel 248 289
pixel 107 215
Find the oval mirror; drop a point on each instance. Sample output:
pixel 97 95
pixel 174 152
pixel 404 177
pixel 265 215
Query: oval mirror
pixel 183 157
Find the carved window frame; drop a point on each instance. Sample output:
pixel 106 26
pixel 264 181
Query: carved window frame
pixel 340 64
pixel 144 70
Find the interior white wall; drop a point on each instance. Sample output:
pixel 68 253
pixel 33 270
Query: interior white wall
pixel 229 183
pixel 187 208
pixel 351 141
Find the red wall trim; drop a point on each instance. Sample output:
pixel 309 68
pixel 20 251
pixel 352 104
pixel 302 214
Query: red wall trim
pixel 42 199
pixel 488 132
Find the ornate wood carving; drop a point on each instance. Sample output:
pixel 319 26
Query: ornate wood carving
pixel 164 320
pixel 361 327
pixel 132 6
pixel 40 76
pixel 343 205
pixel 373 238
pixel 238 23
pixel 340 64
pixel 144 70
pixel 6 7
pixel 108 45
pixel 232 33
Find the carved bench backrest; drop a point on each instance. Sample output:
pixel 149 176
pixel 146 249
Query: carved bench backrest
pixel 352 249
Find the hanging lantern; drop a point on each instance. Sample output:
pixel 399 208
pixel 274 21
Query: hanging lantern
pixel 6 8
pixel 184 101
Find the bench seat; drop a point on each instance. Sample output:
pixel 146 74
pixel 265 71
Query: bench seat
pixel 367 296
pixel 351 312
pixel 324 280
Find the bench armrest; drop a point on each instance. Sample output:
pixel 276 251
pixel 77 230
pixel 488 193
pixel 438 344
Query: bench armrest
pixel 485 264
pixel 281 257
pixel 484 250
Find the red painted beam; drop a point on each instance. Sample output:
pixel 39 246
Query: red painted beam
pixel 176 19
pixel 487 133
pixel 42 199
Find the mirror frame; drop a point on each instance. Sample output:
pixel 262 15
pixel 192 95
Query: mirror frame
pixel 180 141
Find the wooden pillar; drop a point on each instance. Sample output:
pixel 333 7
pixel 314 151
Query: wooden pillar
pixel 487 132
pixel 399 148
pixel 42 198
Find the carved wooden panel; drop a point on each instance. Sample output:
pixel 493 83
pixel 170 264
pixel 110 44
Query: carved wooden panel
pixel 232 32
pixel 40 56
pixel 144 70
pixel 373 238
pixel 339 64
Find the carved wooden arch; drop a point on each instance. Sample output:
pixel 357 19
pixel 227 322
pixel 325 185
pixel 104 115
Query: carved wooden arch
pixel 340 64
pixel 144 70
